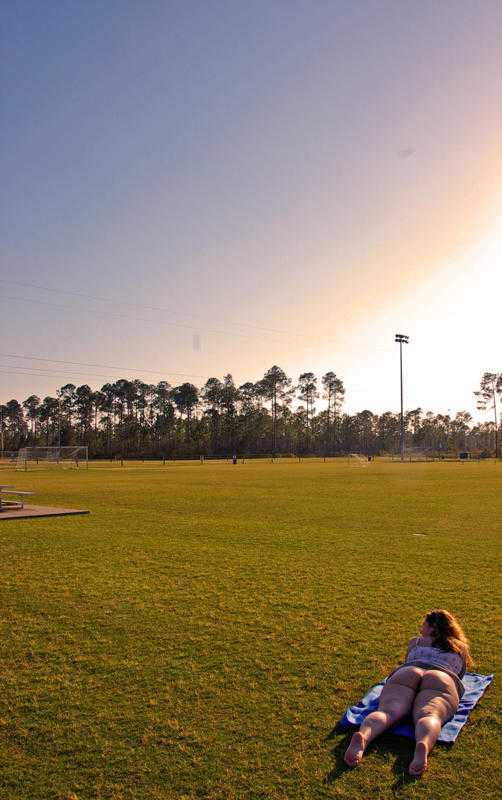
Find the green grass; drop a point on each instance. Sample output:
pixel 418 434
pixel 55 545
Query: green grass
pixel 202 631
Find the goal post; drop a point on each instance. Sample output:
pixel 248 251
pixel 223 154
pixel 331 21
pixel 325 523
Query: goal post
pixel 356 459
pixel 414 454
pixel 76 454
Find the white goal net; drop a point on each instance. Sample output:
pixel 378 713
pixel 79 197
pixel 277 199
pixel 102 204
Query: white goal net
pixel 414 454
pixel 356 459
pixel 30 456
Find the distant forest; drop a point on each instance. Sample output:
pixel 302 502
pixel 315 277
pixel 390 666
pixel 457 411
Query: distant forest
pixel 131 418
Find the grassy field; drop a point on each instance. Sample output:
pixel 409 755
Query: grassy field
pixel 202 631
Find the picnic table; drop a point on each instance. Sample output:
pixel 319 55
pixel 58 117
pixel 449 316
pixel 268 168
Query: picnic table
pixel 11 492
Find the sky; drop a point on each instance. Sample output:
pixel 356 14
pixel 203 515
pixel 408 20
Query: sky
pixel 192 189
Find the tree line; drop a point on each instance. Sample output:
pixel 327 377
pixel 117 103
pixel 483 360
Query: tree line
pixel 132 418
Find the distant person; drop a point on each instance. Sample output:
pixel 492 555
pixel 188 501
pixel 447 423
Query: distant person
pixel 428 686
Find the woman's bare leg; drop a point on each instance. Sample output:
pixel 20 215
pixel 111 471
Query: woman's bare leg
pixel 396 700
pixel 436 702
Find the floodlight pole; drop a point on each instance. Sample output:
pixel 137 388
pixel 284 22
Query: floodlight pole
pixel 402 339
pixel 59 421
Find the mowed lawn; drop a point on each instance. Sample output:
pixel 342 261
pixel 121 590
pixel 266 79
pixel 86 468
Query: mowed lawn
pixel 202 631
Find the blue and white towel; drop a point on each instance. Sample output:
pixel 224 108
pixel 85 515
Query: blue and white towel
pixel 475 686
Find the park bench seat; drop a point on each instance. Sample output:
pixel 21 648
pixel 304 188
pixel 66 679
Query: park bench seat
pixel 12 503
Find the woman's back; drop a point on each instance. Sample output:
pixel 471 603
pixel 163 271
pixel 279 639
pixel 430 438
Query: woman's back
pixel 421 650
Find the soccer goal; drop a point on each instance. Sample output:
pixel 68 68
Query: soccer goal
pixel 357 460
pixel 70 455
pixel 413 454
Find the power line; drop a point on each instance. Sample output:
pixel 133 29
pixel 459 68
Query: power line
pixel 63 376
pixel 110 367
pixel 127 317
pixel 35 372
pixel 100 366
pixel 137 305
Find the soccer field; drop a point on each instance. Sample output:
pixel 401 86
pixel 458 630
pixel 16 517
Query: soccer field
pixel 202 631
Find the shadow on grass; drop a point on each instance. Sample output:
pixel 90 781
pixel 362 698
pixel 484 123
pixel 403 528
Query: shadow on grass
pixel 399 747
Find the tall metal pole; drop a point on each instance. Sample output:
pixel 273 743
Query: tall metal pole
pixel 274 421
pixel 59 422
pixel 496 424
pixel 402 410
pixel 402 339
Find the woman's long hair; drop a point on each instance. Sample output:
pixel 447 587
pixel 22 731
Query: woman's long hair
pixel 447 633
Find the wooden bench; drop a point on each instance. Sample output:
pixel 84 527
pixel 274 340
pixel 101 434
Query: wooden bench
pixel 5 490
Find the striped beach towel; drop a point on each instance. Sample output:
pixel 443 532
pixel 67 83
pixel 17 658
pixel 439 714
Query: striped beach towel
pixel 475 686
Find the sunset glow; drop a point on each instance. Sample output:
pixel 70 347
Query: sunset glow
pixel 199 194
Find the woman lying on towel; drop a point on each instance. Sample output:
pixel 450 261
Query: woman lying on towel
pixel 428 686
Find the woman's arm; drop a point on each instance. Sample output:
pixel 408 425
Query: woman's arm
pixel 412 643
pixel 464 664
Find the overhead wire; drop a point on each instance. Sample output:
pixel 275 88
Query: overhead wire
pixel 62 376
pixel 109 314
pixel 139 305
pixel 196 329
pixel 35 373
pixel 110 367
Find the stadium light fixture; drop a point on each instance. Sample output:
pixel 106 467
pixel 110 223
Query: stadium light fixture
pixel 401 338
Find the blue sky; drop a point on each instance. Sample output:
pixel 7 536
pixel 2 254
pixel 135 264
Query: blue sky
pixel 289 182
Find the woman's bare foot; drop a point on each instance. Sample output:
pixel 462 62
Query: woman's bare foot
pixel 419 763
pixel 355 751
